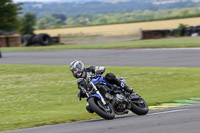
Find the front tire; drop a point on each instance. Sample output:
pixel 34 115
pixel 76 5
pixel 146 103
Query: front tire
pixel 105 111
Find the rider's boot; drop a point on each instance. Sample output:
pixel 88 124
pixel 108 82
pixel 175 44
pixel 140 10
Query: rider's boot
pixel 133 96
pixel 129 91
pixel 124 86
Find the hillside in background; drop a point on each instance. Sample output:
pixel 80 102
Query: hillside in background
pixel 72 9
pixel 75 13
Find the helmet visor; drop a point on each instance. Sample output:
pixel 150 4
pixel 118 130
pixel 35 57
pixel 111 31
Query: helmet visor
pixel 76 73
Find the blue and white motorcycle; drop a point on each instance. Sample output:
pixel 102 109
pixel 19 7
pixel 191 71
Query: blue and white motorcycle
pixel 107 100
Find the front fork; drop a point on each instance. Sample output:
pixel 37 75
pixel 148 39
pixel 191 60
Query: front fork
pixel 97 91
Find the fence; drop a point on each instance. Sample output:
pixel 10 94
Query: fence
pixel 155 34
pixel 10 40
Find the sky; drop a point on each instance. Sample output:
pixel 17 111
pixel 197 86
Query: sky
pixel 38 0
pixel 49 0
pixel 67 0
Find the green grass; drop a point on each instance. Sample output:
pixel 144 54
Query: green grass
pixel 32 95
pixel 131 44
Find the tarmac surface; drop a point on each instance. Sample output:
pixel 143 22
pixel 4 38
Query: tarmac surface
pixel 173 57
pixel 172 120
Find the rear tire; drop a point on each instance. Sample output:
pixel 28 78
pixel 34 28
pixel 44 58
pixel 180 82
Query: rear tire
pixel 105 111
pixel 140 108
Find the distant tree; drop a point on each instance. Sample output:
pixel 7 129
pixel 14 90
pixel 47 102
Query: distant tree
pixel 81 19
pixel 60 18
pixel 101 20
pixel 181 26
pixel 69 21
pixel 28 23
pixel 49 21
pixel 9 15
pixel 41 24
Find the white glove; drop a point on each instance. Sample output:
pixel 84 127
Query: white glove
pixel 99 70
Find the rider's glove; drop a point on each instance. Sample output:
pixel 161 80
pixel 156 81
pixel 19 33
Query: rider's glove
pixel 99 70
pixel 81 95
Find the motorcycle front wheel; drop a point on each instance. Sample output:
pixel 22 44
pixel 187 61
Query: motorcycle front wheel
pixel 105 111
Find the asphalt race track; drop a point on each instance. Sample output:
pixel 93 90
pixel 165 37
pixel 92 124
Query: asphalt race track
pixel 173 120
pixel 132 57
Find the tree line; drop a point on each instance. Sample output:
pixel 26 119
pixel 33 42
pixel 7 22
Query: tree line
pixel 11 20
pixel 60 20
pixel 72 9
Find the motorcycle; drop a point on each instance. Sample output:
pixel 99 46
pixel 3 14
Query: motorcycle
pixel 106 100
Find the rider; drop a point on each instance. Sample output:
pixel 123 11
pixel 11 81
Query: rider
pixel 79 71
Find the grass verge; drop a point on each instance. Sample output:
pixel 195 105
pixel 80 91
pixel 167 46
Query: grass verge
pixel 32 95
pixel 132 44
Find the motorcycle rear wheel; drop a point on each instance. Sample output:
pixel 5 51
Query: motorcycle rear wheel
pixel 140 107
pixel 105 111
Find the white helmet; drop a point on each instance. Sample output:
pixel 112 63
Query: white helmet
pixel 77 68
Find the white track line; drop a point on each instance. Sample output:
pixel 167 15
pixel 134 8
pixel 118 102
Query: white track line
pixel 197 48
pixel 166 112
